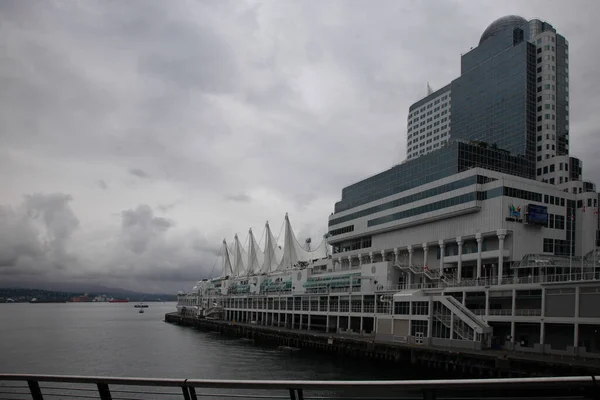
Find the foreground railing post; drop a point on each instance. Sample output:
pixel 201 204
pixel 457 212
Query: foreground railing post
pixel 429 394
pixel 36 392
pixel 104 391
pixel 296 394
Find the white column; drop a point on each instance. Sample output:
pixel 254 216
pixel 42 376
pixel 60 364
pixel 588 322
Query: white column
pixel 371 257
pixel 410 253
pixel 487 302
pixel 360 260
pixel 544 302
pixel 501 235
pixel 514 302
pixel 396 255
pixel 425 248
pixel 442 248
pixel 382 255
pixel 459 242
pixel 479 239
pixel 349 262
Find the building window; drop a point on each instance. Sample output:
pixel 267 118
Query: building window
pixel 548 245
pixel 420 308
pixel 402 308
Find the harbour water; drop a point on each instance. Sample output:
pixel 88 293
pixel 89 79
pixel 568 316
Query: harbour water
pixel 115 340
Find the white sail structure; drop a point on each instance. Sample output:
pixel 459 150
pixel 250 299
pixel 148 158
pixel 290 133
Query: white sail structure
pixel 227 268
pixel 239 257
pixel 255 255
pixel 273 254
pixel 294 253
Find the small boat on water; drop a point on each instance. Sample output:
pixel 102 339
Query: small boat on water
pixel 141 305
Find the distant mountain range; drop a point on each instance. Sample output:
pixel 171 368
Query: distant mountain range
pixel 80 289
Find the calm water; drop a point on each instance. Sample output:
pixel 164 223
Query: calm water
pixel 114 340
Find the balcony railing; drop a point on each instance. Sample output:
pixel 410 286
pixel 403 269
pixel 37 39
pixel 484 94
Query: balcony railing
pixel 38 387
pixel 523 312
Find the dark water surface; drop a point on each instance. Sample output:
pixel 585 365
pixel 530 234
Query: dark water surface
pixel 115 340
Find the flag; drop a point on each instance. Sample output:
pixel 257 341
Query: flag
pixel 596 211
pixel 583 208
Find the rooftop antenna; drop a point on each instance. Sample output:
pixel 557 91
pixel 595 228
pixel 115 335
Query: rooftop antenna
pixel 429 89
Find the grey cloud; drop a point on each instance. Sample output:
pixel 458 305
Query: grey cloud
pixel 140 227
pixel 37 234
pixel 240 197
pixel 38 244
pixel 102 184
pixel 140 173
pixel 165 208
pixel 199 57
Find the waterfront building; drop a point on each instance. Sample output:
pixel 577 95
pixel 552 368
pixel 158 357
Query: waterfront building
pixel 485 236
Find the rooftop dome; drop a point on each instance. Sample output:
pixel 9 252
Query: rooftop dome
pixel 509 21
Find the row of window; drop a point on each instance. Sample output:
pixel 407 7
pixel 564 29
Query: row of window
pixel 339 231
pixel 418 308
pixel 555 222
pixel 422 144
pixel 471 180
pixel 415 120
pixel 547 38
pixel 438 205
pixel 354 244
pixel 551 168
pixel 422 109
pixel 558 247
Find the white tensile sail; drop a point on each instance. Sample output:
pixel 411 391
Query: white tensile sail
pixel 239 258
pixel 227 268
pixel 272 253
pixel 293 252
pixel 255 255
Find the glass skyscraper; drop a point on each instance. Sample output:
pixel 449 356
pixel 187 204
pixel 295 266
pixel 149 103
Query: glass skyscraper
pixel 512 95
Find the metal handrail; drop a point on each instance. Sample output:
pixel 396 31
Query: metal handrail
pixel 295 388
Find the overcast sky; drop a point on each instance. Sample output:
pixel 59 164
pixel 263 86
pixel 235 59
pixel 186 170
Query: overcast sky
pixel 135 135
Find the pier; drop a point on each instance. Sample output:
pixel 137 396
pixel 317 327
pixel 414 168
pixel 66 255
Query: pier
pixel 474 363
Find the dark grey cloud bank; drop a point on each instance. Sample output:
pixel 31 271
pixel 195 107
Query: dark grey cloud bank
pixel 135 135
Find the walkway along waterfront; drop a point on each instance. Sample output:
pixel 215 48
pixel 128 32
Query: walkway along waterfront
pixel 476 363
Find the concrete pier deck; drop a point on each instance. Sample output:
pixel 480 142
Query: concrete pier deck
pixel 483 363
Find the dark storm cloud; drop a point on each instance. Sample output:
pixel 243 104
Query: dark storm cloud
pixel 245 110
pixel 36 235
pixel 37 245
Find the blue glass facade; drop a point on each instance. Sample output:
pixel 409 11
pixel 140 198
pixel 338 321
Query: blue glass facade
pixel 494 99
pixel 456 157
